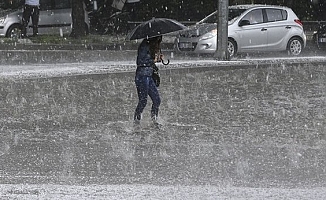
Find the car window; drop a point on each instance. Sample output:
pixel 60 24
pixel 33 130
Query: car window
pixel 46 4
pixel 210 19
pixel 254 17
pixel 274 15
pixel 62 4
pixel 233 13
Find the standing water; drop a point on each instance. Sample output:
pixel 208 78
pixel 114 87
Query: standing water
pixel 246 127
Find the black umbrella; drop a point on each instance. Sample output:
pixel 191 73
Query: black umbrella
pixel 155 27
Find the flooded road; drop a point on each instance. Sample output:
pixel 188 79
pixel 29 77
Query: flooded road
pixel 255 127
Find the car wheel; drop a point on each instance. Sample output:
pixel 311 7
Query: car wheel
pixel 295 46
pixel 14 31
pixel 176 50
pixel 232 48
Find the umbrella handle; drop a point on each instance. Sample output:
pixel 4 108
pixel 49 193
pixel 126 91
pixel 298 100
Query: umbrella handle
pixel 166 62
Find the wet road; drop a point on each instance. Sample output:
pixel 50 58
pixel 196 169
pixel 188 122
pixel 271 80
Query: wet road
pixel 256 127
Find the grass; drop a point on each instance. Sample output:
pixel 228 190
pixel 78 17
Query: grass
pixel 56 39
pixel 90 39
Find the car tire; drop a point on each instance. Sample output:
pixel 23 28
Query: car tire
pixel 14 31
pixel 176 50
pixel 295 46
pixel 232 48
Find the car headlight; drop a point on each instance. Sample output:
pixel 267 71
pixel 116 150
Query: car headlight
pixel 209 35
pixel 2 20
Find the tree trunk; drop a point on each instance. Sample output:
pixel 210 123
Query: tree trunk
pixel 78 19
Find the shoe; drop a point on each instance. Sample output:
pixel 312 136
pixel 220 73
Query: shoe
pixel 157 125
pixel 137 126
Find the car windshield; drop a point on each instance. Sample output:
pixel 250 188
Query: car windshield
pixel 233 14
pixel 10 4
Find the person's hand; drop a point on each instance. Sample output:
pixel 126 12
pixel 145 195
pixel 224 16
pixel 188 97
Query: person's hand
pixel 161 57
pixel 158 57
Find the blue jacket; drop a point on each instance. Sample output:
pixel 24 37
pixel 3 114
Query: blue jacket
pixel 144 60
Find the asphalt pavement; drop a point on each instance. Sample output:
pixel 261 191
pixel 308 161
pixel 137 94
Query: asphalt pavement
pixel 255 123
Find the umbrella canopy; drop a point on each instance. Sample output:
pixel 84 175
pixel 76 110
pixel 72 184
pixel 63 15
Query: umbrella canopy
pixel 155 27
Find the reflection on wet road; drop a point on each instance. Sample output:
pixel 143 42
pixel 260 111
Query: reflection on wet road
pixel 258 127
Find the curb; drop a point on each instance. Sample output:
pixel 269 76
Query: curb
pixel 23 44
pixel 17 54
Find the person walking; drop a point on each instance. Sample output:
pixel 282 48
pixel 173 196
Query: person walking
pixel 31 10
pixel 148 54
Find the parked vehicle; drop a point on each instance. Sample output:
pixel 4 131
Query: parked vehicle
pixel 113 24
pixel 54 18
pixel 107 17
pixel 319 37
pixel 252 28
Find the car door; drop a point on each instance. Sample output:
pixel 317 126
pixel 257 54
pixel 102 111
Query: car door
pixel 278 28
pixel 55 17
pixel 62 20
pixel 252 36
pixel 46 16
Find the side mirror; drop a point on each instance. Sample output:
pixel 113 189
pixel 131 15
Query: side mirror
pixel 244 22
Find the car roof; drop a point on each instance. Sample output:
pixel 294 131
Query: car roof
pixel 247 6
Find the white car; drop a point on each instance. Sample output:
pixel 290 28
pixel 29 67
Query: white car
pixel 54 18
pixel 252 28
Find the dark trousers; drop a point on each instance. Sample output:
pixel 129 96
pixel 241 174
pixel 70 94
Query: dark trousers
pixel 146 87
pixel 30 12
